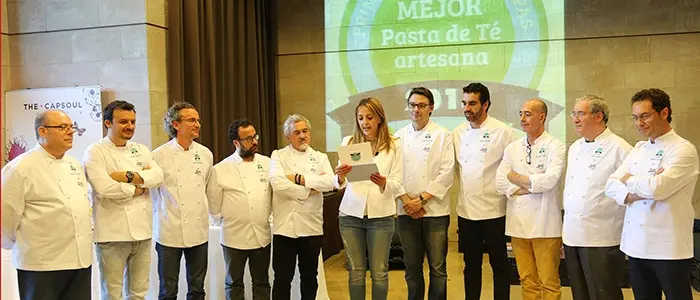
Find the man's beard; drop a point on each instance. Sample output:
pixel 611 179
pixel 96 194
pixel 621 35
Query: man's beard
pixel 247 153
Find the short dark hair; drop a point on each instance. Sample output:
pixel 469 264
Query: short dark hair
pixel 659 100
pixel 423 91
pixel 108 113
pixel 233 129
pixel 482 90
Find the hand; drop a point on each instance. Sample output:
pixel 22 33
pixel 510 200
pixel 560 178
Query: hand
pixel 342 171
pixel 412 206
pixel 521 191
pixel 419 214
pixel 379 180
pixel 291 177
pixel 625 178
pixel 139 191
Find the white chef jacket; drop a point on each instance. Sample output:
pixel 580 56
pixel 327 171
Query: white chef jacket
pixel 295 212
pixel 428 165
pixel 181 207
pixel 364 198
pixel 479 152
pixel 661 225
pixel 240 196
pixel 536 215
pixel 590 218
pixel 118 216
pixel 46 212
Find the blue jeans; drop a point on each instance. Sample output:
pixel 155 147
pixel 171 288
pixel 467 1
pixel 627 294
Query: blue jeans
pixel 360 235
pixel 419 237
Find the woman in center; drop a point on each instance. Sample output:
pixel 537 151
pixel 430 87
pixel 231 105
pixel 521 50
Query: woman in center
pixel 368 207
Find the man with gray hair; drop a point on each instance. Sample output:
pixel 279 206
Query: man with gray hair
pixel 46 215
pixel 298 175
pixel 593 221
pixel 181 210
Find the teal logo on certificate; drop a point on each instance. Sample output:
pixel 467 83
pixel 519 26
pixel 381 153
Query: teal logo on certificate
pixel 355 156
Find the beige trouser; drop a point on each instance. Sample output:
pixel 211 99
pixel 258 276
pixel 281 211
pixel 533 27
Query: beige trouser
pixel 124 260
pixel 538 266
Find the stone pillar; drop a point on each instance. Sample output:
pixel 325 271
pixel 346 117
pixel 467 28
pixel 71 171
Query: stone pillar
pixel 119 44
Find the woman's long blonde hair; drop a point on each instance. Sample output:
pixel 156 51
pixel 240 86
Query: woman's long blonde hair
pixel 384 140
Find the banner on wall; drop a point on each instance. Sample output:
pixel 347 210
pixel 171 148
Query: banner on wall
pixel 82 103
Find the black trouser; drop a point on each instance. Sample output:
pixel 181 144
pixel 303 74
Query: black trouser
pixel 472 236
pixel 259 267
pixel 649 277
pixel 169 270
pixel 55 285
pixel 286 251
pixel 595 273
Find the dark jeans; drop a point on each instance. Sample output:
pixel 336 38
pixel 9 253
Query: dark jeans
pixel 259 267
pixel 169 270
pixel 649 277
pixel 285 252
pixel 427 235
pixel 472 237
pixel 595 273
pixel 55 285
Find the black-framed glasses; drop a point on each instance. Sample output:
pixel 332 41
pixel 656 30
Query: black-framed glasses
pixel 62 127
pixel 421 106
pixel 528 151
pixel 251 138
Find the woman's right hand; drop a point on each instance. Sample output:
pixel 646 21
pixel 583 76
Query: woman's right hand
pixel 342 171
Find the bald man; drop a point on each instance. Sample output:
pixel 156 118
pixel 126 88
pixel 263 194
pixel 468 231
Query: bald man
pixel 529 176
pixel 46 215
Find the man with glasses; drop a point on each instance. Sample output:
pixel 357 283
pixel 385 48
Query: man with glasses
pixel 181 213
pixel 479 145
pixel 424 208
pixel 121 172
pixel 529 176
pixel 655 184
pixel 592 221
pixel 46 215
pixel 240 198
pixel 299 175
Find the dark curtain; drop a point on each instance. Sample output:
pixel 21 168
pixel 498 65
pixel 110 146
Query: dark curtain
pixel 221 59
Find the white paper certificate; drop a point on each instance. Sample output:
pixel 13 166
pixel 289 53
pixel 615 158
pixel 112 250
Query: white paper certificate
pixel 360 157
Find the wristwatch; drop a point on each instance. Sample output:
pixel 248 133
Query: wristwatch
pixel 129 176
pixel 422 200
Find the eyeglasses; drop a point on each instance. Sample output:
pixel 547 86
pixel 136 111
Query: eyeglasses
pixel 62 127
pixel 421 106
pixel 250 138
pixel 643 117
pixel 528 151
pixel 192 120
pixel 577 114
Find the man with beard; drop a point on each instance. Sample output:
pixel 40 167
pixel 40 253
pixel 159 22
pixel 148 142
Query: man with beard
pixel 479 145
pixel 298 175
pixel 424 209
pixel 240 198
pixel 46 215
pixel 121 172
pixel 529 175
pixel 181 214
pixel 655 184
